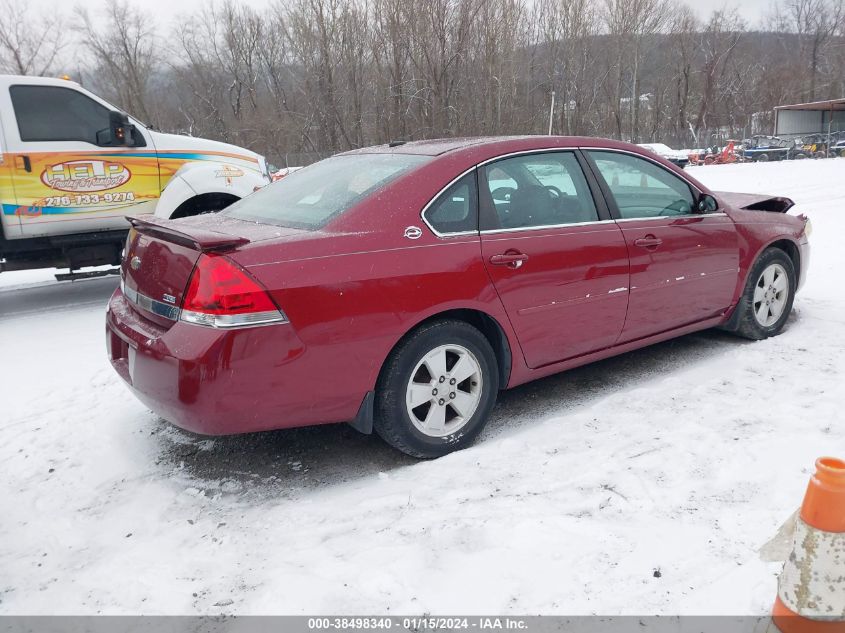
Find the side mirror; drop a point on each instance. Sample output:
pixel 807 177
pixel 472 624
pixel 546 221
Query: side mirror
pixel 707 203
pixel 119 132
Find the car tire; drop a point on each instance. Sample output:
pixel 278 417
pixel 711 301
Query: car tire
pixel 762 158
pixel 765 305
pixel 450 417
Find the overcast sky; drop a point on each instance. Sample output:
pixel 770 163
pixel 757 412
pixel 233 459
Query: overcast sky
pixel 751 10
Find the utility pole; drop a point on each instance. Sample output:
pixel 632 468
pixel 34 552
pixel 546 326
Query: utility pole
pixel 551 113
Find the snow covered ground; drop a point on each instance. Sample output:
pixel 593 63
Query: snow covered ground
pixel 683 458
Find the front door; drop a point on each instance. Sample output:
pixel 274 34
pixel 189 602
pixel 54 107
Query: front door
pixel 10 227
pixel 684 264
pixel 558 262
pixel 67 176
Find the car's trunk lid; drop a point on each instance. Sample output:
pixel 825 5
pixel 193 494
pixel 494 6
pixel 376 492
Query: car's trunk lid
pixel 160 257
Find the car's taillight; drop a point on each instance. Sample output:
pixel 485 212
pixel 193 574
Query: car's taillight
pixel 222 294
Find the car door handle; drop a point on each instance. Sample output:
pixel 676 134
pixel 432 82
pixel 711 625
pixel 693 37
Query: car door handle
pixel 513 259
pixel 25 163
pixel 649 242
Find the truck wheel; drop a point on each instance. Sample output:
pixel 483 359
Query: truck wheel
pixel 436 389
pixel 766 302
pixel 762 158
pixel 204 203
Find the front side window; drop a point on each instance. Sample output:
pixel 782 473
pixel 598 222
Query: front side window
pixel 641 188
pixel 309 198
pixel 456 210
pixel 53 113
pixel 536 190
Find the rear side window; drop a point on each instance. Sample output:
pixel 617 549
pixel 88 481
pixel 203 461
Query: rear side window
pixel 309 198
pixel 456 209
pixel 53 113
pixel 641 188
pixel 536 190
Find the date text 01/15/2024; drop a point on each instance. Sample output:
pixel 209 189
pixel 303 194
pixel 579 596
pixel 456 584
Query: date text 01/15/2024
pixel 417 623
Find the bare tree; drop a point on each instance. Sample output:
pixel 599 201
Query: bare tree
pixel 125 55
pixel 815 22
pixel 718 41
pixel 30 44
pixel 302 78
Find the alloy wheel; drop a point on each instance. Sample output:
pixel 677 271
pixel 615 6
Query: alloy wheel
pixel 770 295
pixel 444 390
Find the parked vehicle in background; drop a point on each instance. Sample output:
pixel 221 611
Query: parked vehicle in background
pixel 811 146
pixel 72 166
pixel 402 286
pixel 676 157
pixel 766 148
pixel 716 156
pixel 279 173
pixel 837 145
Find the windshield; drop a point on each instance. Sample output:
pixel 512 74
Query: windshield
pixel 311 197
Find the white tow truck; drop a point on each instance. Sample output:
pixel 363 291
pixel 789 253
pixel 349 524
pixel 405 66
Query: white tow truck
pixel 72 166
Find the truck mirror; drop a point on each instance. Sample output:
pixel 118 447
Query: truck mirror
pixel 119 132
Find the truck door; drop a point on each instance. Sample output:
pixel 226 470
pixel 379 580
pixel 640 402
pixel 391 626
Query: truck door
pixel 69 175
pixel 10 224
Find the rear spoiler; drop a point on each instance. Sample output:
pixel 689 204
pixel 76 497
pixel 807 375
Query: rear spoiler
pixel 189 235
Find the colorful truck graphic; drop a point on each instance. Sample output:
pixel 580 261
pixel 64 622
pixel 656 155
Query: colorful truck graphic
pixel 72 167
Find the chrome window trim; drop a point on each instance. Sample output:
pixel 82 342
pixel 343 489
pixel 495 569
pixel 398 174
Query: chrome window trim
pixel 437 197
pixel 476 166
pixel 149 304
pixel 661 166
pixel 644 157
pixel 544 227
pixel 544 150
pixel 671 217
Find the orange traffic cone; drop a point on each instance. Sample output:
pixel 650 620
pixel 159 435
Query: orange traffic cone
pixel 811 588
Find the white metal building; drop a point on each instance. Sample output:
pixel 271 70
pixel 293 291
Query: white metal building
pixel 819 117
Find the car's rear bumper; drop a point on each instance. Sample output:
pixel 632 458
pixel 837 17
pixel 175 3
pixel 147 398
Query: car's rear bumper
pixel 219 382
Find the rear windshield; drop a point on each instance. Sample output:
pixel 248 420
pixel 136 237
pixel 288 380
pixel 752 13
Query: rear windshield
pixel 311 197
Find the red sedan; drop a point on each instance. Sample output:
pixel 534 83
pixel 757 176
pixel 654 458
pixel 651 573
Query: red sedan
pixel 399 287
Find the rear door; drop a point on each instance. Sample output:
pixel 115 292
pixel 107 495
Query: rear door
pixel 684 264
pixel 66 178
pixel 557 260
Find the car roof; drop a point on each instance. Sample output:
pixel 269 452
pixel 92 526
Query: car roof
pixel 492 145
pixel 459 154
pixel 433 147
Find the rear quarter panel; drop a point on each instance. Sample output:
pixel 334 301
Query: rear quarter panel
pixel 350 308
pixel 351 295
